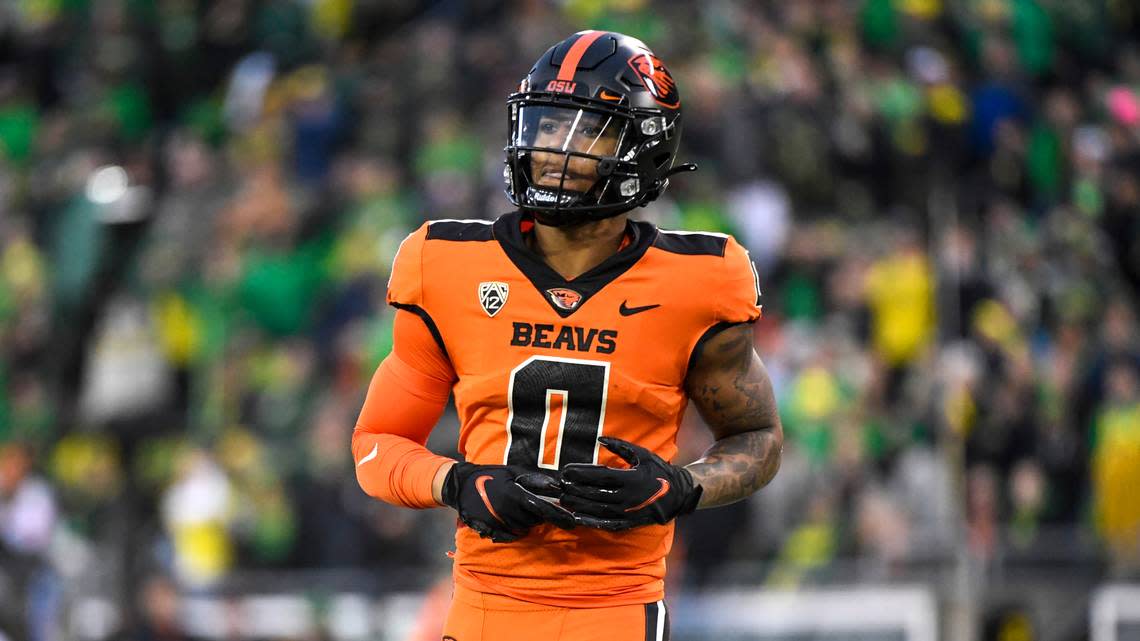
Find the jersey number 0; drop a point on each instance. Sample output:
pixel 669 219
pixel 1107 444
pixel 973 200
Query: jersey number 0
pixel 557 407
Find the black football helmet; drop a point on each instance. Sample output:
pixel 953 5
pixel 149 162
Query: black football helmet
pixel 594 129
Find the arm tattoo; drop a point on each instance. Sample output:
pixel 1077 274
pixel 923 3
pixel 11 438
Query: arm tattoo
pixel 736 466
pixel 730 387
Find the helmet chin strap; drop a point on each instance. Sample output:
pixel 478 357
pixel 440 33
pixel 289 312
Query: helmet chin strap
pixel 560 217
pixel 564 218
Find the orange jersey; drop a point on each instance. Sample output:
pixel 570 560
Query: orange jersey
pixel 544 366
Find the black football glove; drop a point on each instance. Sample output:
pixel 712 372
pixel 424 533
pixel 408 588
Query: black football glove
pixel 500 501
pixel 650 491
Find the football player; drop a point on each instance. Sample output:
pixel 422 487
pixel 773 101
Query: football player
pixel 572 339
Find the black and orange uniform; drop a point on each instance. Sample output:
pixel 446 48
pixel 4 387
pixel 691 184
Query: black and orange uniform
pixel 541 366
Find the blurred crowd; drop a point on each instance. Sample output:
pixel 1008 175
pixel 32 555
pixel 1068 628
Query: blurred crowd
pixel 200 201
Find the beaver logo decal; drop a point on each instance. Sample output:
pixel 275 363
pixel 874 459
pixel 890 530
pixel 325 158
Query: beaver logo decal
pixel 564 298
pixel 657 79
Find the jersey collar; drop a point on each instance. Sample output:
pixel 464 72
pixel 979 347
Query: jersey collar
pixel 508 231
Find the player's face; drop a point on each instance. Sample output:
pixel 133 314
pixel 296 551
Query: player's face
pixel 569 130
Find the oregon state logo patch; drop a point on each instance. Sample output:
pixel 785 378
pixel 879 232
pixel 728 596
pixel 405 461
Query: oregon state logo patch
pixel 657 79
pixel 564 298
pixel 492 296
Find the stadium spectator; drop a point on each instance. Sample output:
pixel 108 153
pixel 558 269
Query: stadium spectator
pixel 28 518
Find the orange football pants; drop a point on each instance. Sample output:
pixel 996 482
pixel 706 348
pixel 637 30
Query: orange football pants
pixel 477 616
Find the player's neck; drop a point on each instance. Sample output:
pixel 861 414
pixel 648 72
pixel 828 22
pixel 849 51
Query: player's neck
pixel 573 251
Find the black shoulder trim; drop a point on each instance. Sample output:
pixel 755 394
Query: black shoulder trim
pixel 459 230
pixel 422 313
pixel 708 335
pixel 691 244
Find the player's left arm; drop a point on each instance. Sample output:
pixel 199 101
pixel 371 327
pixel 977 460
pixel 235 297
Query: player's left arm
pixel 729 385
pixel 730 388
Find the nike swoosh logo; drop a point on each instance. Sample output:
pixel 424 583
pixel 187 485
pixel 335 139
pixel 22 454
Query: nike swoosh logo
pixel 371 455
pixel 481 487
pixel 653 499
pixel 605 95
pixel 630 311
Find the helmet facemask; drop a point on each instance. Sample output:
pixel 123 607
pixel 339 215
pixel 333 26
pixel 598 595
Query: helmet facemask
pixel 571 160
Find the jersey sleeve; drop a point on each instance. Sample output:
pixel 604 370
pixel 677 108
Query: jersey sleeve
pixel 407 395
pixel 739 289
pixel 405 284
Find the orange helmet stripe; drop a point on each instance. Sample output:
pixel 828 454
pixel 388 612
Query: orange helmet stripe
pixel 574 56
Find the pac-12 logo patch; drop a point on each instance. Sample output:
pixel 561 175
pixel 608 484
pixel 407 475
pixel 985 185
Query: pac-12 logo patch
pixel 492 296
pixel 656 78
pixel 564 298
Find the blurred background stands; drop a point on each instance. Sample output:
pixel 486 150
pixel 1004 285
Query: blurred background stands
pixel 200 201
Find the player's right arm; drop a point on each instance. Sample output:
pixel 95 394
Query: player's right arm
pixel 405 399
